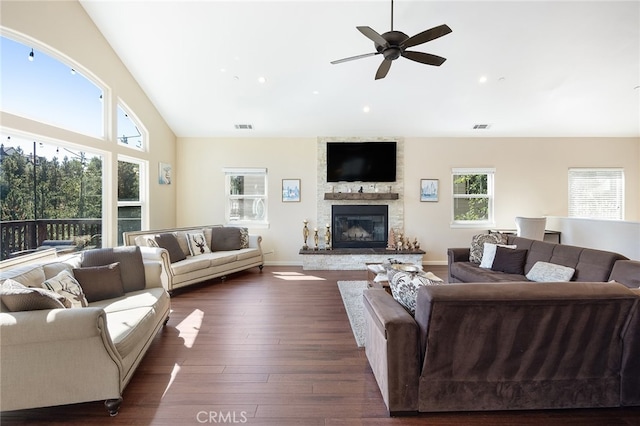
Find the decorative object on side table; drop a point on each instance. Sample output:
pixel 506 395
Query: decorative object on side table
pixel 305 234
pixel 327 238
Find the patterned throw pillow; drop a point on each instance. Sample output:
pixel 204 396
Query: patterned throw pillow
pixel 477 244
pixel 17 297
pixel 244 238
pixel 550 272
pixel 405 285
pixel 67 286
pixel 197 243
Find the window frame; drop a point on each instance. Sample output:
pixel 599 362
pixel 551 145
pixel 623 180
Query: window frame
pixel 230 172
pixel 490 196
pixel 142 191
pixel 584 175
pixel 136 123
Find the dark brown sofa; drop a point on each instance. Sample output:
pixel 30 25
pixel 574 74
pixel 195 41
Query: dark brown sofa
pixel 506 347
pixel 590 265
pixel 509 345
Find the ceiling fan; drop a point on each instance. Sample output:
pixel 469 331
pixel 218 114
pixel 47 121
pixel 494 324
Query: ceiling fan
pixel 393 44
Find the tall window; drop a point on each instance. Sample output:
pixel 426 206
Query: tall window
pixel 246 196
pixel 40 87
pixel 596 193
pixel 130 196
pixel 472 196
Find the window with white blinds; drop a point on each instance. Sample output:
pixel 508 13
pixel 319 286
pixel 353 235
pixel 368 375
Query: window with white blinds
pixel 596 193
pixel 246 196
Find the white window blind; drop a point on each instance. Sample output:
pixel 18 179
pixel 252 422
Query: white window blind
pixel 596 193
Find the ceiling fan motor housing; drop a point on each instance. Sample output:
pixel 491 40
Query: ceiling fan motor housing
pixel 393 49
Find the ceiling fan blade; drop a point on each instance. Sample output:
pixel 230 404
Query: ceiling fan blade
pixel 383 69
pixel 425 58
pixel 353 58
pixel 428 35
pixel 373 36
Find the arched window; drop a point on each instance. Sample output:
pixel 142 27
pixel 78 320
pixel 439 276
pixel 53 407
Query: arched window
pixel 41 87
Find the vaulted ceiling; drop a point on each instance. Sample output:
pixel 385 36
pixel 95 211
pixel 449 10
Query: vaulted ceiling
pixel 535 68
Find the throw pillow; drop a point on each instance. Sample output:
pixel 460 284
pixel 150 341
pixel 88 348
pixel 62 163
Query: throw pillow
pixel 510 261
pixel 197 243
pixel 489 253
pixel 405 285
pixel 131 264
pixel 100 282
pixel 17 297
pixel 225 238
pixel 477 244
pixel 244 238
pixel 66 285
pixel 550 272
pixel 169 242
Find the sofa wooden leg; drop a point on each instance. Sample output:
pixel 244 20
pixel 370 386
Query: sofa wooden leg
pixel 261 266
pixel 166 320
pixel 113 406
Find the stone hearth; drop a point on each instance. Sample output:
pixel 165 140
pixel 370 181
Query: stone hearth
pixel 354 258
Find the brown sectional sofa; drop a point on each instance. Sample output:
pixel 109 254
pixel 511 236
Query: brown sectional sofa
pixel 511 344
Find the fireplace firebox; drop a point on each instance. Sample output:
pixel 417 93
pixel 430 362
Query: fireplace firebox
pixel 360 226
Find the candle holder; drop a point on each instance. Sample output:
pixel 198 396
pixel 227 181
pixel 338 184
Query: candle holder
pixel 327 238
pixel 315 238
pixel 305 234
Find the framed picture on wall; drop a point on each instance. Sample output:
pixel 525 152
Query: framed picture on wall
pixel 428 189
pixel 165 174
pixel 290 190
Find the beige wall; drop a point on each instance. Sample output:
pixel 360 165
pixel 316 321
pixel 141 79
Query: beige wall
pixel 65 30
pixel 531 180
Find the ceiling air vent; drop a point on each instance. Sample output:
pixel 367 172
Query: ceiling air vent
pixel 244 126
pixel 481 126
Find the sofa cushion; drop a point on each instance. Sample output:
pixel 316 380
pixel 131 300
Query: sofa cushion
pixel 124 336
pixel 131 264
pixel 197 243
pixel 18 297
pixel 68 287
pixel 169 242
pixel 226 238
pixel 192 263
pixel 100 282
pixel 477 244
pixel 550 272
pixel 510 261
pixel 222 258
pixel 248 253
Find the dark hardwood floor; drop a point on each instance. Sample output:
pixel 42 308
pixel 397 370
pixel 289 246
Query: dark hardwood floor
pixel 271 348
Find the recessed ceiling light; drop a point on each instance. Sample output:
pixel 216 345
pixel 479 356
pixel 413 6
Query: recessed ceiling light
pixel 366 108
pixel 223 70
pixel 482 79
pixel 261 80
pixel 315 92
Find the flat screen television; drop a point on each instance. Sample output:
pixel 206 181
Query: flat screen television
pixel 361 161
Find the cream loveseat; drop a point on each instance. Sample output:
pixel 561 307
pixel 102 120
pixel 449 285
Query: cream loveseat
pixel 198 253
pixel 51 354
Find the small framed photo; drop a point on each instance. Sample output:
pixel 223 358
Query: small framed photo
pixel 165 174
pixel 290 190
pixel 428 189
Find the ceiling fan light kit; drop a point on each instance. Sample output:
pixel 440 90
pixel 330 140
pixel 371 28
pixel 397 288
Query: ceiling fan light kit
pixel 393 44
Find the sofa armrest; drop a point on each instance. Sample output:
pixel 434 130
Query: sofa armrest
pixel 161 256
pixel 456 254
pixel 255 241
pixel 392 350
pixel 152 273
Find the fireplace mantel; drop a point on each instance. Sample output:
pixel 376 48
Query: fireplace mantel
pixel 361 196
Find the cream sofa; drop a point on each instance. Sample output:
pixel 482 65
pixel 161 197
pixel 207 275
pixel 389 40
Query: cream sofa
pixel 228 250
pixel 69 355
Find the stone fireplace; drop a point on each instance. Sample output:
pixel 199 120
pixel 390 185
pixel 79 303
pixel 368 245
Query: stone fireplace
pixel 360 226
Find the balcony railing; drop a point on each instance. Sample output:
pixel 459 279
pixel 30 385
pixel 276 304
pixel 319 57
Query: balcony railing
pixel 22 236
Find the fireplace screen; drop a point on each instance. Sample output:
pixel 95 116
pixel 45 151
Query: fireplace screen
pixel 359 226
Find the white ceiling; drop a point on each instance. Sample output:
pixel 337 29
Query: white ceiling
pixel 552 68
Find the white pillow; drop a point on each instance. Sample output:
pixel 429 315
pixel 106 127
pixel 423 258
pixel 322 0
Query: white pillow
pixel 549 272
pixel 197 243
pixel 489 254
